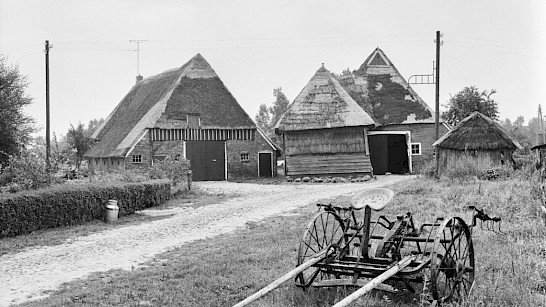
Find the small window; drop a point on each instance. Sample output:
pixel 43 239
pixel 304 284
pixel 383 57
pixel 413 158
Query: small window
pixel 415 149
pixel 137 158
pixel 245 157
pixel 177 157
pixel 194 122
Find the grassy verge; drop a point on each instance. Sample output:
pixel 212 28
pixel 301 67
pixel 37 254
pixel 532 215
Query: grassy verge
pixel 48 237
pixel 220 271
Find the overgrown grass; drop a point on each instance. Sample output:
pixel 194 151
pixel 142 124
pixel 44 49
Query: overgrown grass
pixel 511 268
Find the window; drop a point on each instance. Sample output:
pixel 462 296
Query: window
pixel 415 149
pixel 177 157
pixel 245 157
pixel 193 121
pixel 137 158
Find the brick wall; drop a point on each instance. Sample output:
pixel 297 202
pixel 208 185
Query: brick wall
pixel 141 148
pixel 424 133
pixel 236 168
pixel 242 170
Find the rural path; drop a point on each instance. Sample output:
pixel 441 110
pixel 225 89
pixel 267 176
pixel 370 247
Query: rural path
pixel 29 274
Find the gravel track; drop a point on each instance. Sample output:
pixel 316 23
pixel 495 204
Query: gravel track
pixel 29 274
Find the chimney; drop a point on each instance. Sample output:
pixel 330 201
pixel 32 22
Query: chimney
pixel 139 78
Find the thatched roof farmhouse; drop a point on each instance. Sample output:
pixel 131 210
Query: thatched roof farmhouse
pixel 479 137
pixel 324 130
pixel 186 112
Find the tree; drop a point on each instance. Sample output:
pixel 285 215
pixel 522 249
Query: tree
pixel 15 127
pixel 263 118
pixel 80 141
pixel 93 125
pixel 468 100
pixel 519 132
pixel 280 106
pixel 268 117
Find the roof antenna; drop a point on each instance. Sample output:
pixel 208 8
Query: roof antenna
pixel 138 41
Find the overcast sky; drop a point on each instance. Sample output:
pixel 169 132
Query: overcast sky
pixel 256 46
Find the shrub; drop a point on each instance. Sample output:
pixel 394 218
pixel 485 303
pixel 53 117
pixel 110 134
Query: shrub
pixel 176 171
pixel 64 205
pixel 26 171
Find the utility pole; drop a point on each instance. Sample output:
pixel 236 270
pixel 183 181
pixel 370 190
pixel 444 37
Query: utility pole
pixel 434 78
pixel 48 147
pixel 437 120
pixel 540 136
pixel 437 115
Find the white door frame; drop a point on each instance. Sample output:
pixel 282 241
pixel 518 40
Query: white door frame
pixel 408 143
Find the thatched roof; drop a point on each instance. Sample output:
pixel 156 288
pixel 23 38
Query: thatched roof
pixel 477 132
pixel 380 89
pixel 323 103
pixel 163 101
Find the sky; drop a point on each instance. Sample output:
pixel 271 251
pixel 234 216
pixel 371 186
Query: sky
pixel 257 46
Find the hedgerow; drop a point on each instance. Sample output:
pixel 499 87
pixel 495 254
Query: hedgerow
pixel 65 205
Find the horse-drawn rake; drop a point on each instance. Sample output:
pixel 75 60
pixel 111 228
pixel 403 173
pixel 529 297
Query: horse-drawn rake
pixel 340 249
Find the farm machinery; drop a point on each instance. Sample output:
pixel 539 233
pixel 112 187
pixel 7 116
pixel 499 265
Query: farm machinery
pixel 342 246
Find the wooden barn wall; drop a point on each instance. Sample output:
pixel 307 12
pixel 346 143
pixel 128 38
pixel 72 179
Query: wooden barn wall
pixel 328 164
pixel 483 159
pixel 325 141
pixel 326 152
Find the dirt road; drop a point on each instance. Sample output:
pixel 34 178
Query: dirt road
pixel 27 275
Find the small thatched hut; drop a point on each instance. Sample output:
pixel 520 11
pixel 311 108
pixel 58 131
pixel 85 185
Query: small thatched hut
pixel 324 131
pixel 479 137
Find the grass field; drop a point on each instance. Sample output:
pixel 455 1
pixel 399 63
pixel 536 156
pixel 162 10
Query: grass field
pixel 511 268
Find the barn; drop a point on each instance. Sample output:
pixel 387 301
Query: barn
pixel 183 113
pixel 402 140
pixel 479 138
pixel 324 131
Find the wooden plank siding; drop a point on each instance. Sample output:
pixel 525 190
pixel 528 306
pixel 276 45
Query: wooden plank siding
pixel 327 151
pixel 328 164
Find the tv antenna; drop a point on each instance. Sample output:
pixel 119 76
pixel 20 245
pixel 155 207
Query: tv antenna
pixel 137 41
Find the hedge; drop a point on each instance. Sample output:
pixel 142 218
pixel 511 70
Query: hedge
pixel 66 205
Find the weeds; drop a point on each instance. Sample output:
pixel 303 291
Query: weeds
pixel 221 271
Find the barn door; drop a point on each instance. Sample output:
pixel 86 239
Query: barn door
pixel 208 160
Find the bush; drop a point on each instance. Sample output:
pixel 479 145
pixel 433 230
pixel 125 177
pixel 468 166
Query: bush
pixel 26 171
pixel 176 171
pixel 65 205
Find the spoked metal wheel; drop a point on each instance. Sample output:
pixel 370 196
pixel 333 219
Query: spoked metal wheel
pixel 325 229
pixel 452 265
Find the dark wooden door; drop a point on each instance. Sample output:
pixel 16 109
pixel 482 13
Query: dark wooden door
pixel 378 153
pixel 208 160
pixel 265 164
pixel 398 154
